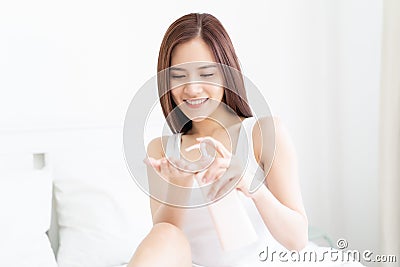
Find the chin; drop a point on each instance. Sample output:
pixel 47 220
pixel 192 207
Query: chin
pixel 198 115
pixel 198 119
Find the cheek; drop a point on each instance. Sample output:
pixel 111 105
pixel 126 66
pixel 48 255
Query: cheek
pixel 219 93
pixel 175 93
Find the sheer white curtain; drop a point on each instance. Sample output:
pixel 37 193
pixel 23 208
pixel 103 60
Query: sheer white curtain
pixel 390 129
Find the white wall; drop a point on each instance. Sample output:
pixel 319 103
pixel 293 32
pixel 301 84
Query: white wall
pixel 79 63
pixel 330 64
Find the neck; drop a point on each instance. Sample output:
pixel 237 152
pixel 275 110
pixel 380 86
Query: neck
pixel 221 119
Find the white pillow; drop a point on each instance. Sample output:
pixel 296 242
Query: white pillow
pixel 25 206
pixel 102 214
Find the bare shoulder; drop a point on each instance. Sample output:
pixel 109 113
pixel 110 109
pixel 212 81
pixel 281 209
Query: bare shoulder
pixel 266 127
pixel 156 147
pixel 268 122
pixel 267 133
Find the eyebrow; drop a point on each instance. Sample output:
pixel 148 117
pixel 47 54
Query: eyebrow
pixel 207 66
pixel 176 68
pixel 200 68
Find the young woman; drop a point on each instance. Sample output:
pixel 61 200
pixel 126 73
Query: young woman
pixel 197 112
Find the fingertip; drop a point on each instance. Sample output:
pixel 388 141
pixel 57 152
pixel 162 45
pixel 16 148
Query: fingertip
pixel 190 148
pixel 148 160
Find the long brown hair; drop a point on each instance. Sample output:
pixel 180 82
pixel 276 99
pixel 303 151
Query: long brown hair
pixel 211 31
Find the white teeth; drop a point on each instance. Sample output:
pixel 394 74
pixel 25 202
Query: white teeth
pixel 197 101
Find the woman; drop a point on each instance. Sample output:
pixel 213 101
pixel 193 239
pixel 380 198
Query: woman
pixel 198 112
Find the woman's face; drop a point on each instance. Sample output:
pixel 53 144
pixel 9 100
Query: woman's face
pixel 195 79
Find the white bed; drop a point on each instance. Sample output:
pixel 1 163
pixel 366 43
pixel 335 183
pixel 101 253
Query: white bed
pixel 72 185
pixel 68 200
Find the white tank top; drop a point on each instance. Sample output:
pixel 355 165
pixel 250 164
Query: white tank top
pixel 198 225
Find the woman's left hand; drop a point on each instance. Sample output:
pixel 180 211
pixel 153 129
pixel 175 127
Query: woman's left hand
pixel 225 172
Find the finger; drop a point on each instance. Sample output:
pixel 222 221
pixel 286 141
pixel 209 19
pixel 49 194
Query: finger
pixel 214 189
pixel 170 172
pixel 162 168
pixel 226 187
pixel 168 169
pixel 199 177
pixel 183 165
pixel 218 166
pixel 179 169
pixel 219 163
pixel 177 163
pixel 221 149
pixel 211 176
pixel 192 147
pixel 203 150
pixel 153 163
pixel 223 185
pixel 216 144
pixel 222 162
pixel 171 168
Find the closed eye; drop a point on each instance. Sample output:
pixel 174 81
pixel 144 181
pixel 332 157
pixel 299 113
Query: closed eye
pixel 206 75
pixel 178 76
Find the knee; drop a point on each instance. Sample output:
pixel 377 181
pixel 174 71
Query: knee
pixel 169 233
pixel 167 228
pixel 169 242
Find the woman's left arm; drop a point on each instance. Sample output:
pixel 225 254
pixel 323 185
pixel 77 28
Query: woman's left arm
pixel 279 200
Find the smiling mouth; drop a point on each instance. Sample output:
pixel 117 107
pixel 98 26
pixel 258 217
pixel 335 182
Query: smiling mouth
pixel 195 103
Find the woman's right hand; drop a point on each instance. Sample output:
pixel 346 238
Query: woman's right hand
pixel 172 170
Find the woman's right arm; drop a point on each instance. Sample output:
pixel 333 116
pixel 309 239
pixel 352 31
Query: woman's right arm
pixel 159 168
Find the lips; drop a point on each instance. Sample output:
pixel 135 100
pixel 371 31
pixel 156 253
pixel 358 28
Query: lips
pixel 195 103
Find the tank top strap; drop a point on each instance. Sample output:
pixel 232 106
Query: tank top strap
pixel 248 124
pixel 245 140
pixel 245 150
pixel 173 146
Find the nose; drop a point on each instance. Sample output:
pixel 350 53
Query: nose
pixel 193 89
